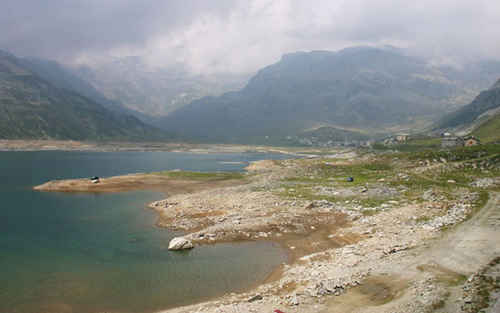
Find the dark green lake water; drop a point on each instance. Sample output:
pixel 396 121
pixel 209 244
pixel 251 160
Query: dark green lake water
pixel 100 252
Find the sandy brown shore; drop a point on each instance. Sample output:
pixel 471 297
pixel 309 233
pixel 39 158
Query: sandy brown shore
pixel 407 235
pixel 139 181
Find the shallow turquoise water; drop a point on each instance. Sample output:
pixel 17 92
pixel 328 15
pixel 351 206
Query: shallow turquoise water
pixel 100 252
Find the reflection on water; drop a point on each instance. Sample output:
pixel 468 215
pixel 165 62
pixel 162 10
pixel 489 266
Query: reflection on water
pixel 100 252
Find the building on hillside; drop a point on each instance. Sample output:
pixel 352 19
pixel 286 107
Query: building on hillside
pixel 397 139
pixel 470 141
pixel 452 142
pixel 402 137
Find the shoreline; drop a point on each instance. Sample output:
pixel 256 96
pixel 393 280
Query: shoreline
pixel 374 245
pixel 199 148
pixel 138 181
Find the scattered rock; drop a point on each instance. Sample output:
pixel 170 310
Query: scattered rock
pixel 255 298
pixel 180 243
pixel 370 242
pixel 310 206
pixel 294 300
pixel 483 183
pixel 395 249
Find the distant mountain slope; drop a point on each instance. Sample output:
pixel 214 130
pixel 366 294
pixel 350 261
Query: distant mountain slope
pixel 154 90
pixel 327 136
pixel 364 88
pixel 32 107
pixel 486 101
pixel 63 77
pixel 489 131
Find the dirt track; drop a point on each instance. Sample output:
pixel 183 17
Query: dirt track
pixel 461 251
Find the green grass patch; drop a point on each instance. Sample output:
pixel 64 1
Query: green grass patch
pixel 305 192
pixel 457 154
pixel 377 166
pixel 338 178
pixel 412 145
pixel 489 131
pixel 482 199
pixel 369 212
pixel 423 219
pixel 203 176
pixel 371 202
pixel 418 183
pixel 362 173
pixel 460 177
pixel 444 275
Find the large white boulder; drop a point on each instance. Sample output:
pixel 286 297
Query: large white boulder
pixel 180 243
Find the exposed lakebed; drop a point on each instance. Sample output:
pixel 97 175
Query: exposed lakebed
pixel 66 252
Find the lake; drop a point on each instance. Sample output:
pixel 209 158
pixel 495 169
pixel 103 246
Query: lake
pixel 94 253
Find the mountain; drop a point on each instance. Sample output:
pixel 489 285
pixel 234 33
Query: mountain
pixel 485 104
pixel 154 90
pixel 34 107
pixel 63 77
pixel 359 88
pixel 489 131
pixel 327 136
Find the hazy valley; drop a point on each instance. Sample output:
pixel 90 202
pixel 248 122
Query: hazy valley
pixel 250 156
pixel 312 98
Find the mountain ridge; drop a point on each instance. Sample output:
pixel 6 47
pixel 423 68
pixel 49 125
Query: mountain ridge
pixel 487 101
pixel 355 87
pixel 34 108
pixel 154 91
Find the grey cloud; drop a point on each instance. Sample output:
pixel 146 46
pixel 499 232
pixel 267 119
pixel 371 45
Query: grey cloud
pixel 241 36
pixel 64 28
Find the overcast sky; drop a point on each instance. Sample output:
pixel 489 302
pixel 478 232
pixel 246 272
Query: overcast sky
pixel 241 36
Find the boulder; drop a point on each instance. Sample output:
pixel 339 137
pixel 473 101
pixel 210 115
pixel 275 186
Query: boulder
pixel 180 243
pixel 255 298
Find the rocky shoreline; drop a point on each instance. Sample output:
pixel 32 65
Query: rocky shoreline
pixel 72 145
pixel 391 239
pixel 396 255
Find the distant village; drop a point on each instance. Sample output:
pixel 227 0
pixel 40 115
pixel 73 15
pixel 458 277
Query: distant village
pixel 320 142
pixel 448 140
